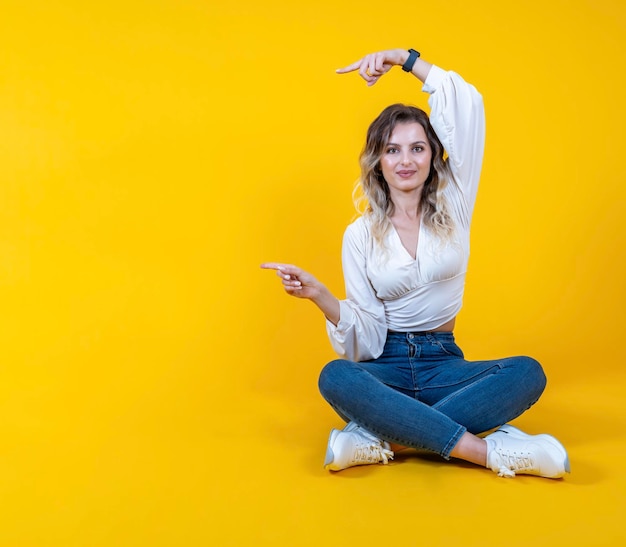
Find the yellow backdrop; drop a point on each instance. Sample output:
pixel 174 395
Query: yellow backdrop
pixel 157 388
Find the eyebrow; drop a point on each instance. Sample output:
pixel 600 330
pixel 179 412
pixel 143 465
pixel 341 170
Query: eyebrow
pixel 416 142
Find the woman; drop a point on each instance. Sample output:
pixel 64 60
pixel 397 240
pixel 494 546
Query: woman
pixel 401 378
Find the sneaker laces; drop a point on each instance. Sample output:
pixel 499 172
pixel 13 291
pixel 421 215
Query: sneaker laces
pixel 372 453
pixel 510 461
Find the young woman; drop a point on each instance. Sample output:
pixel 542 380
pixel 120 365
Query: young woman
pixel 401 378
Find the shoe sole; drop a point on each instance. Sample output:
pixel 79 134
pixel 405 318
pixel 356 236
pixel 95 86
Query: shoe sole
pixel 514 432
pixel 330 455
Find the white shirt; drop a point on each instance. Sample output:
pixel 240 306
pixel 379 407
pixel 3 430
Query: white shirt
pixel 397 292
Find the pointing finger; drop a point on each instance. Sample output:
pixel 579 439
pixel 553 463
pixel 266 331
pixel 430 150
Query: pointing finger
pixel 350 68
pixel 274 266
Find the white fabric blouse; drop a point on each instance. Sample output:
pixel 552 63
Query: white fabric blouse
pixel 396 292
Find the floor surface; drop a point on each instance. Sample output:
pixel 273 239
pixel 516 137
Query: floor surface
pixel 418 499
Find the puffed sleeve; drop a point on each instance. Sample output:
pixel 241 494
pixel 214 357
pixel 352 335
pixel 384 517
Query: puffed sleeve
pixel 362 329
pixel 458 117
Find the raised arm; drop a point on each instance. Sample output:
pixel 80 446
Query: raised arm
pixel 457 112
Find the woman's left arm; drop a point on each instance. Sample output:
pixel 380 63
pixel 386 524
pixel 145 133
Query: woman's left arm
pixel 458 117
pixel 457 112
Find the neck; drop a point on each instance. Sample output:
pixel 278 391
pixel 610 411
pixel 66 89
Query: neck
pixel 407 205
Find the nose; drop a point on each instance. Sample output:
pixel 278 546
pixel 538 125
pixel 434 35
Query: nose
pixel 405 159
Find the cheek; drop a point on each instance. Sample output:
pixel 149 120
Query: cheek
pixel 385 166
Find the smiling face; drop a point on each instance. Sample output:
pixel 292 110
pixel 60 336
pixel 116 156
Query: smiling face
pixel 406 159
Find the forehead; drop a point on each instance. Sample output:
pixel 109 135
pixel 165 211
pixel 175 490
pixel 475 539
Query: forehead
pixel 408 132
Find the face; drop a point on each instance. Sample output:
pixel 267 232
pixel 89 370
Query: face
pixel 406 159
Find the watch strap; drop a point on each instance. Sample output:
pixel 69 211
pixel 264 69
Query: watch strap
pixel 413 55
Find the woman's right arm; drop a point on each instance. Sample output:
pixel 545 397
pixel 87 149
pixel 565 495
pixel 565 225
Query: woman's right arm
pixel 361 331
pixel 356 326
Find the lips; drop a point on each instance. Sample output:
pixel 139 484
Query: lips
pixel 405 173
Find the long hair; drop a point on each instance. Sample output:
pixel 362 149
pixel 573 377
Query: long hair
pixel 375 191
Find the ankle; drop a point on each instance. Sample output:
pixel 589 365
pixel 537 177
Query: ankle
pixel 471 448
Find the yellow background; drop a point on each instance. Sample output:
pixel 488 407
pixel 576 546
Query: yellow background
pixel 157 388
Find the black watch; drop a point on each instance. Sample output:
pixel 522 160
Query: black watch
pixel 413 55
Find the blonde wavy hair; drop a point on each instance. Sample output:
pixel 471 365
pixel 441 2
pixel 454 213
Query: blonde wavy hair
pixel 371 193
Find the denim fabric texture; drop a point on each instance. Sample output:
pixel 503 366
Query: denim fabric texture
pixel 422 393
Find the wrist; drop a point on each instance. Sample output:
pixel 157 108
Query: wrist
pixel 329 305
pixel 403 56
pixel 320 296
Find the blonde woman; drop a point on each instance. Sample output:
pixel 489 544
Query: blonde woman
pixel 401 380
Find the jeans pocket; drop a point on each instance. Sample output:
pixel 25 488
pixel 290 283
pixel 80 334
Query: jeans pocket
pixel 450 348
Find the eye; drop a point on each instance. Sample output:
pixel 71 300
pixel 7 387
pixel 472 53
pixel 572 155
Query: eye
pixel 392 150
pixel 418 149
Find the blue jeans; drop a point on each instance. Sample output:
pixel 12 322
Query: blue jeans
pixel 422 393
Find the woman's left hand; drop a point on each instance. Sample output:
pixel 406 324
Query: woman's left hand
pixel 373 66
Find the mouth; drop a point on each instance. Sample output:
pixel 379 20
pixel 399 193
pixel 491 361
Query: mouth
pixel 405 173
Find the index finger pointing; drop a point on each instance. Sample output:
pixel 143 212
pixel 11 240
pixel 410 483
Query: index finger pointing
pixel 350 68
pixel 272 266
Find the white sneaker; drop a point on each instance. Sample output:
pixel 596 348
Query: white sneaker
pixel 511 451
pixel 355 446
pixel 353 426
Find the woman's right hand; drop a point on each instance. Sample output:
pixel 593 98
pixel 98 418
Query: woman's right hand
pixel 301 284
pixel 296 281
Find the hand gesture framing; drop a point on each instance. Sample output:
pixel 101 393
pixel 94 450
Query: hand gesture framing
pixel 373 66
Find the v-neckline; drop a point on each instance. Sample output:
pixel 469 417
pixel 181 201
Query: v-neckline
pixel 417 245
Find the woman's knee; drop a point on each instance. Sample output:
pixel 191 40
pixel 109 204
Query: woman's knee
pixel 531 374
pixel 328 376
pixel 333 377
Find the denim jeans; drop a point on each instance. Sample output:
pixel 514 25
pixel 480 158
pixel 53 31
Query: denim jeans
pixel 423 394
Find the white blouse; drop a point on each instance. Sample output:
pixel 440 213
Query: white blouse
pixel 399 293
